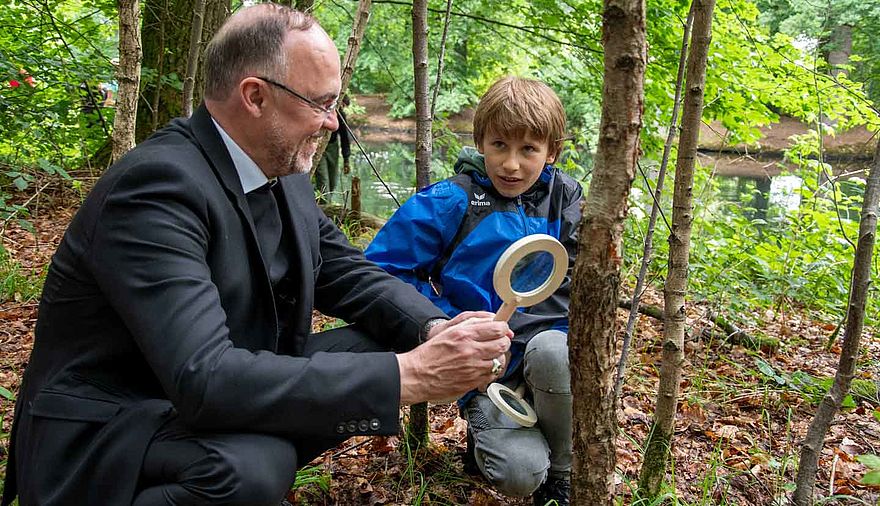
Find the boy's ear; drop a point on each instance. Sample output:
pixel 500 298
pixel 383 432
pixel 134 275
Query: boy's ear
pixel 480 148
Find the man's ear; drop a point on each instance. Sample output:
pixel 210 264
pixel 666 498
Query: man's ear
pixel 253 96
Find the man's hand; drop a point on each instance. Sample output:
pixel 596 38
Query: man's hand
pixel 456 358
pixel 462 317
pixel 346 167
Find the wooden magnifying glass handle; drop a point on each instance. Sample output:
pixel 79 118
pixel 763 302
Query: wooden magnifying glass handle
pixel 506 310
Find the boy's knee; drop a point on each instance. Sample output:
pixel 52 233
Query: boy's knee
pixel 517 477
pixel 546 362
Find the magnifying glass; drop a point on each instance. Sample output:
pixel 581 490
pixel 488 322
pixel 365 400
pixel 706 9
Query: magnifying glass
pixel 528 272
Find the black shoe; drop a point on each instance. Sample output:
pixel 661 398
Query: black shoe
pixel 554 491
pixel 468 459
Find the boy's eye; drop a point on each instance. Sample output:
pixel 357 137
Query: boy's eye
pixel 529 149
pixel 497 144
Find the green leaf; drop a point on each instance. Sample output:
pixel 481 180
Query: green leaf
pixel 6 394
pixel 766 368
pixel 871 461
pixel 871 478
pixel 20 183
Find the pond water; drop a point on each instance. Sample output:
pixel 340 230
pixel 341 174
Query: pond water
pixel 395 162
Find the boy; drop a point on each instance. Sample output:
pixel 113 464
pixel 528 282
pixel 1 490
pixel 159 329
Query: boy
pixel 446 240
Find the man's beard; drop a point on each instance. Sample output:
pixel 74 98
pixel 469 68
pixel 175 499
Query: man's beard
pixel 287 158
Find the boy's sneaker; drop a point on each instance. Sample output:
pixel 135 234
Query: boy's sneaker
pixel 468 459
pixel 553 492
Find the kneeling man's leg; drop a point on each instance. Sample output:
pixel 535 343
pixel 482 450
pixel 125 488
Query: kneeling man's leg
pixel 186 468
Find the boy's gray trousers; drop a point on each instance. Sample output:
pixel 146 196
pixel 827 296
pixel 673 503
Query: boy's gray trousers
pixel 516 459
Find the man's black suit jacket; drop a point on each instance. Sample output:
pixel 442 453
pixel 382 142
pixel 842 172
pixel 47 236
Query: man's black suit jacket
pixel 158 300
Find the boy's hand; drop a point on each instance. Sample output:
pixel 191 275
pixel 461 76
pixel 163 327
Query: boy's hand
pixel 454 360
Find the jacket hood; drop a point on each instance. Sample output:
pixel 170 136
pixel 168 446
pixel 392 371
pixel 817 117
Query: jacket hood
pixel 470 160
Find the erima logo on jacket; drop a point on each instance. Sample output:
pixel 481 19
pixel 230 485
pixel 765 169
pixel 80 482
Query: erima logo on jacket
pixel 479 200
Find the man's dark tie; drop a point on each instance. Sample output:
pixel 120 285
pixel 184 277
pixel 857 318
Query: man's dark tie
pixel 267 220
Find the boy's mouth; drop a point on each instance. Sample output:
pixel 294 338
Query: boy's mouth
pixel 508 179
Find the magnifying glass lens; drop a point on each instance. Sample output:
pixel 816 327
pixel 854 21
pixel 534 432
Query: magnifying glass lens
pixel 531 271
pixel 514 403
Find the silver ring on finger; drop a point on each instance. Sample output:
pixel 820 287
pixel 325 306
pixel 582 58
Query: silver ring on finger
pixel 496 366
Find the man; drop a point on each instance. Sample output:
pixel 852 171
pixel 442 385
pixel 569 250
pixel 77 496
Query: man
pixel 327 172
pixel 173 361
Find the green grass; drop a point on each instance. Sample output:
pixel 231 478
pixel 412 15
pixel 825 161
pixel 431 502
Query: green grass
pixel 16 283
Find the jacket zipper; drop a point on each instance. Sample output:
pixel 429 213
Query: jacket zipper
pixel 522 213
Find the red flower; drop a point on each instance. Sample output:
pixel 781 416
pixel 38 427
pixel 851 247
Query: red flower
pixel 14 84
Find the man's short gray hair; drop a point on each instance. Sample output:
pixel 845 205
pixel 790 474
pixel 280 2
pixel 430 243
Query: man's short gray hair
pixel 250 43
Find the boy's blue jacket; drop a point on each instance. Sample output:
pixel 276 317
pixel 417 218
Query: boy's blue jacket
pixel 446 239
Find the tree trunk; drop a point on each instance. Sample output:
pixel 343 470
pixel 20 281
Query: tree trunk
pixel 648 250
pixel 660 438
pixel 840 47
pixel 166 28
pixel 421 94
pixel 596 278
pixel 192 57
pixel 361 17
pixel 128 76
pixel 418 427
pixel 861 278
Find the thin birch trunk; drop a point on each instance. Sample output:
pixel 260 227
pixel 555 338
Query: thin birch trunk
pixel 421 93
pixel 596 278
pixel 128 76
pixel 418 426
pixel 192 58
pixel 648 251
pixel 660 438
pixel 440 59
pixel 861 278
pixel 361 17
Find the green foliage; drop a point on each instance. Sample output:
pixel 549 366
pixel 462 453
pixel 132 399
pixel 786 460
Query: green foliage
pixel 16 284
pixel 872 477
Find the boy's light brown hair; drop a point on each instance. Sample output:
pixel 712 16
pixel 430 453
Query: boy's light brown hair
pixel 516 105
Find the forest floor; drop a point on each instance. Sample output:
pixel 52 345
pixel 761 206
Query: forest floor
pixel 741 417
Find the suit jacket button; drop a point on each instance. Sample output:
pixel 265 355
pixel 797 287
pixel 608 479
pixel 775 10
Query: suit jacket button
pixel 340 428
pixel 374 424
pixel 352 426
pixel 363 426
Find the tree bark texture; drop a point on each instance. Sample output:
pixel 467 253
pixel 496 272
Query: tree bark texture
pixel 421 94
pixel 128 75
pixel 596 276
pixel 660 437
pixel 418 426
pixel 166 29
pixel 839 48
pixel 192 57
pixel 648 250
pixel 861 279
pixel 361 18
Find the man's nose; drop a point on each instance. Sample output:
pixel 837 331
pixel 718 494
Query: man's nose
pixel 331 122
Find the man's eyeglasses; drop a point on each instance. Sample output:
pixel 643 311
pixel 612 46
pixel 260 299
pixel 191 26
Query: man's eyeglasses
pixel 324 109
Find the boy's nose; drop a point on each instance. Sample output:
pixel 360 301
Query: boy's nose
pixel 511 164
